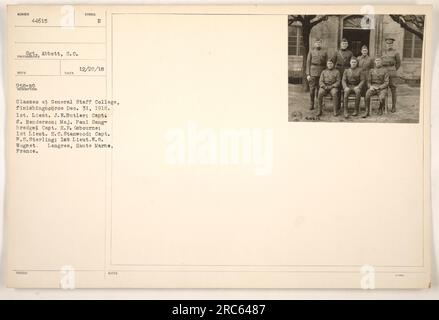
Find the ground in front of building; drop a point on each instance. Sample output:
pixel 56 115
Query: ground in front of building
pixel 407 107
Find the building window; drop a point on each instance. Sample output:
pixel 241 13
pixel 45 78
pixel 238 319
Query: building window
pixel 295 41
pixel 412 45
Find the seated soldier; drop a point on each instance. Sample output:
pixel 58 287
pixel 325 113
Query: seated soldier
pixel 377 83
pixel 329 84
pixel 352 81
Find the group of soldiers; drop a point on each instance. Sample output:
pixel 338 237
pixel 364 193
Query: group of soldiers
pixel 343 74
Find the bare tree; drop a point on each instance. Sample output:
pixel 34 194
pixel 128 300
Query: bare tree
pixel 308 22
pixel 412 23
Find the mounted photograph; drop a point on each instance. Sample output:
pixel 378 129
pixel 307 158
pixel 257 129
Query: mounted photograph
pixel 355 68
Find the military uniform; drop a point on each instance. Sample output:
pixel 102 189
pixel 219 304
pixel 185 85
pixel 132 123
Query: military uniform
pixel 392 62
pixel 365 63
pixel 377 77
pixel 329 84
pixel 352 82
pixel 342 59
pixel 315 64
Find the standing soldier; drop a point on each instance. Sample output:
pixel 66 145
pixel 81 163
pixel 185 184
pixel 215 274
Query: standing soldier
pixel 352 81
pixel 342 59
pixel 365 62
pixel 392 61
pixel 315 63
pixel 377 83
pixel 329 84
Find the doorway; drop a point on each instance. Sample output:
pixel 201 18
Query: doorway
pixel 357 38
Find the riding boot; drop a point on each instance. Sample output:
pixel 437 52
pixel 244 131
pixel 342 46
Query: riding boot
pixel 367 113
pixel 345 107
pixel 357 106
pixel 393 101
pixel 312 99
pixel 319 106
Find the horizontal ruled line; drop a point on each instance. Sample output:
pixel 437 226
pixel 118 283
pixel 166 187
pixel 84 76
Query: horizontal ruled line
pixel 55 42
pixel 67 27
pixel 54 270
pixel 51 59
pixel 59 75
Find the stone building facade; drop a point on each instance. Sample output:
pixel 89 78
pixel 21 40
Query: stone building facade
pixel 359 31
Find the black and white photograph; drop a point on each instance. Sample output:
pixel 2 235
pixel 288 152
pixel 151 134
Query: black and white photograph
pixel 194 152
pixel 355 68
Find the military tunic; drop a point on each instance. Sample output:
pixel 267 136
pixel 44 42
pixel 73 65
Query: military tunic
pixel 329 84
pixel 391 60
pixel 316 62
pixel 342 59
pixel 353 78
pixel 365 63
pixel 378 77
pixel 330 78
